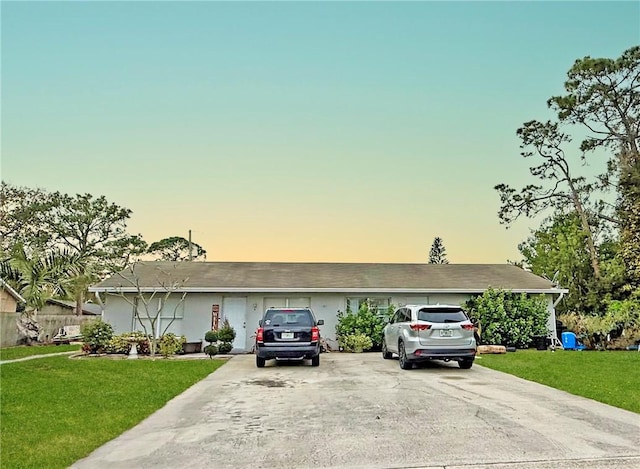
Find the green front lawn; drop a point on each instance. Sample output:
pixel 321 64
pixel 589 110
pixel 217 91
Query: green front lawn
pixel 11 353
pixel 609 377
pixel 56 410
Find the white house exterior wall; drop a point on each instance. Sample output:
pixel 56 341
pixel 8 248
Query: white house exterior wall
pixel 196 319
pixel 197 314
pixel 118 313
pixel 195 322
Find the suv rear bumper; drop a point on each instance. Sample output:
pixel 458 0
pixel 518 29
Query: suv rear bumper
pixel 442 354
pixel 278 351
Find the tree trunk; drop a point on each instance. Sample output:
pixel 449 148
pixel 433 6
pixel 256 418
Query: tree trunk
pixel 79 303
pixel 593 254
pixel 28 327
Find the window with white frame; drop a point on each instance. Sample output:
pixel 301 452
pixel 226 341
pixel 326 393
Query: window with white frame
pixel 158 311
pixel 377 304
pixel 290 302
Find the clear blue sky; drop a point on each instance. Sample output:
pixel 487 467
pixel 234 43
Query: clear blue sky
pixel 294 131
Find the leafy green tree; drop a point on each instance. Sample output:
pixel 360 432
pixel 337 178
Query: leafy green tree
pixel 176 248
pixel 603 96
pixel 88 226
pixel 438 254
pixel 558 189
pixel 22 213
pixel 557 251
pixel 91 229
pixel 95 229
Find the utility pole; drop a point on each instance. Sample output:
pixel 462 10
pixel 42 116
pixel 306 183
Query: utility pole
pixel 190 251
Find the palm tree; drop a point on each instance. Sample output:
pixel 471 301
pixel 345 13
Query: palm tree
pixel 39 276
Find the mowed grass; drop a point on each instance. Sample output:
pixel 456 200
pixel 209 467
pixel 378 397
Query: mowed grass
pixel 11 353
pixel 56 410
pixel 611 377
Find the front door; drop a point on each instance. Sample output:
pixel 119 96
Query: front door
pixel 235 310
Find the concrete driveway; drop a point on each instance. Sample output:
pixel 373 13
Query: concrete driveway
pixel 359 411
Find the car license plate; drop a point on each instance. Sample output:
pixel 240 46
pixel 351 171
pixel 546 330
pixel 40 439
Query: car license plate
pixel 445 332
pixel 287 335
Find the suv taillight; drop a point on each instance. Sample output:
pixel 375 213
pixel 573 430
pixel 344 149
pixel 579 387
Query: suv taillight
pixel 315 334
pixel 468 327
pixel 419 327
pixel 260 335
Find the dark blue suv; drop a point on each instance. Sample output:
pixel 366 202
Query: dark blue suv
pixel 288 334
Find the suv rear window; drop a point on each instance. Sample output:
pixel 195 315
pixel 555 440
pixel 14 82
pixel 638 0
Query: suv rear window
pixel 442 315
pixel 282 317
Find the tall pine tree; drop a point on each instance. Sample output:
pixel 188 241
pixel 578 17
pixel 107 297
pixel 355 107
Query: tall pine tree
pixel 438 254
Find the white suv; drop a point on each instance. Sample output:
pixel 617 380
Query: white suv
pixel 429 332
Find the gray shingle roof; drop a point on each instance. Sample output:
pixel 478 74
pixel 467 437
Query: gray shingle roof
pixel 335 277
pixel 16 296
pixel 87 308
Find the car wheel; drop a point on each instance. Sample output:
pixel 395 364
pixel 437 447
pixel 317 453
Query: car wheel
pixel 260 362
pixel 465 364
pixel 385 353
pixel 315 361
pixel 402 358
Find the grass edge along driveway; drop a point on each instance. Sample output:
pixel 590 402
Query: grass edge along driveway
pixel 610 377
pixel 56 410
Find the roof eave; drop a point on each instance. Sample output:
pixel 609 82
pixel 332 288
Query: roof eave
pixel 116 290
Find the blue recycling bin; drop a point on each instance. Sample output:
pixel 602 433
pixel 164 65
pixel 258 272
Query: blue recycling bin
pixel 569 341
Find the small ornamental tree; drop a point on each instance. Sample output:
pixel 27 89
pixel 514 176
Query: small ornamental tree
pixel 226 335
pixel 149 302
pixel 212 338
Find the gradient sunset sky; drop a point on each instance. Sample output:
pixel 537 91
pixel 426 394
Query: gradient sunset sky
pixel 295 131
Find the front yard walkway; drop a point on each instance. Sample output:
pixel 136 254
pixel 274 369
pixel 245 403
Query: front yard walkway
pixel 33 357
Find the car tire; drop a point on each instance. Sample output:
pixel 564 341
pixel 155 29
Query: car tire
pixel 465 363
pixel 385 353
pixel 315 361
pixel 402 357
pixel 260 362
